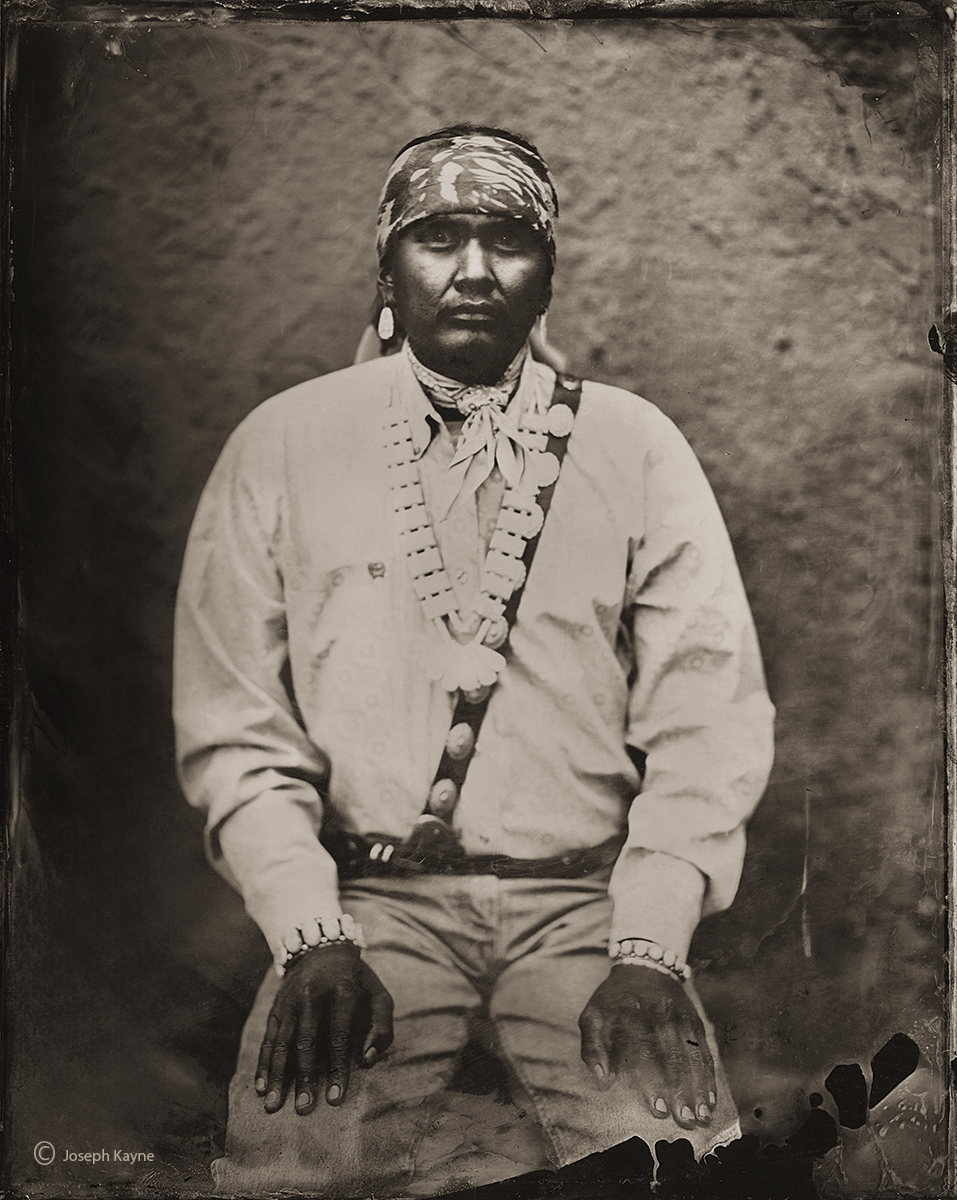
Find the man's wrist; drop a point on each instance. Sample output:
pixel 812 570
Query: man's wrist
pixel 318 933
pixel 330 954
pixel 640 952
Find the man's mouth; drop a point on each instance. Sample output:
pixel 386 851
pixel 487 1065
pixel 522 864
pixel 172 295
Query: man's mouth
pixel 474 314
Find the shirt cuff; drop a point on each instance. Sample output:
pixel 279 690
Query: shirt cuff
pixel 285 875
pixel 656 897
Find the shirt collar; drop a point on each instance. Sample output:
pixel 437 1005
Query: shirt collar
pixel 425 421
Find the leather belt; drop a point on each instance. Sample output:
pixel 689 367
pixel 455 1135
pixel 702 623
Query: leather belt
pixel 359 857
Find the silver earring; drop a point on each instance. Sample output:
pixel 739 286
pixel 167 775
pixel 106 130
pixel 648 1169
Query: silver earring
pixel 542 326
pixel 386 325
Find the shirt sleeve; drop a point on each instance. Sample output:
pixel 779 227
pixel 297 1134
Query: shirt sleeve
pixel 242 754
pixel 698 709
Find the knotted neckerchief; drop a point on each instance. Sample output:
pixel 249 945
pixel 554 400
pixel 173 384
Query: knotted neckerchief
pixel 489 437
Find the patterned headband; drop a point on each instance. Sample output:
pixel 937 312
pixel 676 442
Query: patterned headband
pixel 475 173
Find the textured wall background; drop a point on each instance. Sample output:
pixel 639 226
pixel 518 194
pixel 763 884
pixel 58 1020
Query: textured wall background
pixel 747 239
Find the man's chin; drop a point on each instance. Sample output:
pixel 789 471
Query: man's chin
pixel 479 355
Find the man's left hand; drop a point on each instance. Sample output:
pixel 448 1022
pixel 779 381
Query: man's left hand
pixel 641 1025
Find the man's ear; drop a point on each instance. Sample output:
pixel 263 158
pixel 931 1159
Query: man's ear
pixel 386 287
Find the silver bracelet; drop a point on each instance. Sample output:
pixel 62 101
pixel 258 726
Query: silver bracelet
pixel 332 931
pixel 641 953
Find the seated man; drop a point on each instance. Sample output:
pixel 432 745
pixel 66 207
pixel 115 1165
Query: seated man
pixel 467 683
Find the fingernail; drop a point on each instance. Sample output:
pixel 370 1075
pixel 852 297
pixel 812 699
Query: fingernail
pixel 272 1097
pixel 260 1085
pixel 704 1113
pixel 334 1093
pixel 370 1055
pixel 303 1100
pixel 686 1113
pixel 712 1099
pixel 660 1105
pixel 599 1070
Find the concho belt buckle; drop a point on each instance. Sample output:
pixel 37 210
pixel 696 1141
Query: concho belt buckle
pixel 431 845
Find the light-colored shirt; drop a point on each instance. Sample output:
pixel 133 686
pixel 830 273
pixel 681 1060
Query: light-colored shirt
pixel 301 691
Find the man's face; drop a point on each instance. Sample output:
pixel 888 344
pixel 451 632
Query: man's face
pixel 467 289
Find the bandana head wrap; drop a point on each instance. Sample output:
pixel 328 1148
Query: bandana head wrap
pixel 469 172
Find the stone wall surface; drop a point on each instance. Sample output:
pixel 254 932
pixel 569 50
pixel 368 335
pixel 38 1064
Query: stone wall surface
pixel 747 239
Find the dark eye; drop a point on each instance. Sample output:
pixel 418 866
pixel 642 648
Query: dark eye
pixel 435 237
pixel 508 239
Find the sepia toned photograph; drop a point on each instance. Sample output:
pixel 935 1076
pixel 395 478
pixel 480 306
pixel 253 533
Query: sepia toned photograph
pixel 479 491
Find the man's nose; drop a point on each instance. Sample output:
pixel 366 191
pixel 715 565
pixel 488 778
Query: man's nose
pixel 473 270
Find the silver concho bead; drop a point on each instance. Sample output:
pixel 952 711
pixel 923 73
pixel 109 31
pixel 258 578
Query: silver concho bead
pixel 546 469
pixel 442 797
pixel 497 634
pixel 460 741
pixel 560 420
pixel 536 519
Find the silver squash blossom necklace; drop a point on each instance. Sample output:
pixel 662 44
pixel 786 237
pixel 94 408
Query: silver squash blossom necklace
pixel 465 655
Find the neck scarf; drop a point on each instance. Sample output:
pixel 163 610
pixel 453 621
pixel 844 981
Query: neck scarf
pixel 489 437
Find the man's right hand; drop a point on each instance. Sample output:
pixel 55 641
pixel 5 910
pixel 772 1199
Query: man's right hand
pixel 330 1008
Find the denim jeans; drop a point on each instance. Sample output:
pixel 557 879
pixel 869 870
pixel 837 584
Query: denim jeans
pixel 530 952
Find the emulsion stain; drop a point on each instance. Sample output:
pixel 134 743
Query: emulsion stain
pixel 745 1167
pixel 773 1171
pixel 847 1085
pixel 892 1064
pixel 816 1136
